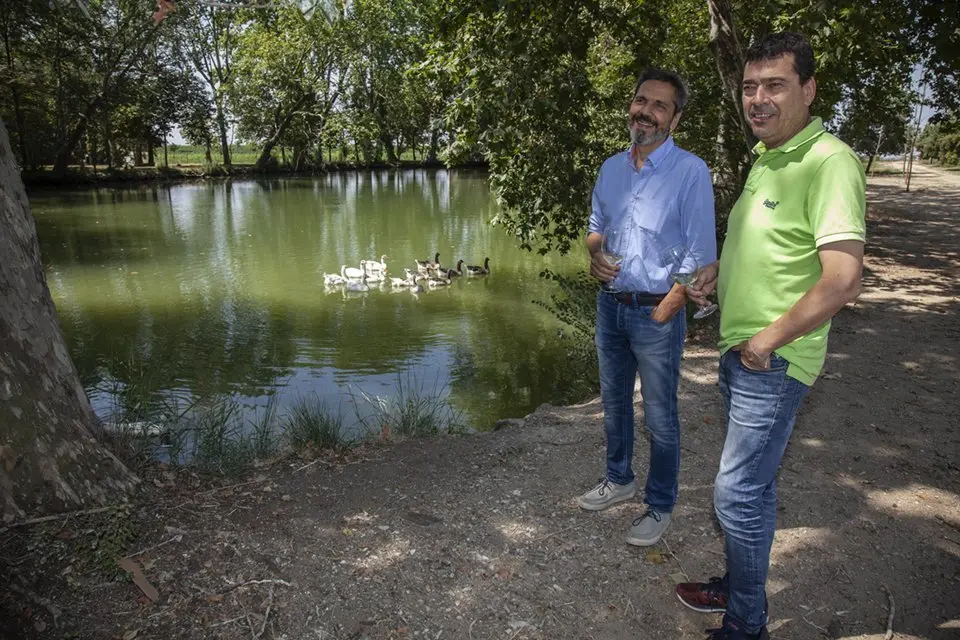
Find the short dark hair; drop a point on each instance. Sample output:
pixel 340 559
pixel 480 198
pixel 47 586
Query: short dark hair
pixel 777 45
pixel 652 73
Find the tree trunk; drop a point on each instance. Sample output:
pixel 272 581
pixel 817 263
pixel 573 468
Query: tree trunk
pixel 434 144
pixel 166 160
pixel 222 130
pixel 729 56
pixel 151 160
pixel 388 146
pixel 65 152
pixel 278 135
pixel 49 458
pixel 876 149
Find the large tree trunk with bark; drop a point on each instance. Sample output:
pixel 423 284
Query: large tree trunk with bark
pixel 49 458
pixel 729 56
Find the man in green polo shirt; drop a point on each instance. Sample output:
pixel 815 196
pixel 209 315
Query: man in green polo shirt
pixel 791 259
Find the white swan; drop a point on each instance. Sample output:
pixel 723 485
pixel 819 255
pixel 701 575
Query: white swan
pixel 352 273
pixel 375 277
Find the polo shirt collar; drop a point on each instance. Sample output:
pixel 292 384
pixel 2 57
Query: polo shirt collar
pixel 659 154
pixel 805 135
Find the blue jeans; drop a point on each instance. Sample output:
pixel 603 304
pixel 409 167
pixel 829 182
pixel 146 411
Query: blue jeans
pixel 628 341
pixel 761 409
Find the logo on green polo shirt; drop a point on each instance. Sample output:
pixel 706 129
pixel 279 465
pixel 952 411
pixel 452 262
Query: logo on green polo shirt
pixel 769 204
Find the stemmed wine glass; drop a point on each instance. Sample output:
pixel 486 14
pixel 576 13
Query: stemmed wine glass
pixel 616 238
pixel 682 265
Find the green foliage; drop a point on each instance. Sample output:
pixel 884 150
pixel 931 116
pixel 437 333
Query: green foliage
pixel 575 304
pixel 940 141
pixel 540 89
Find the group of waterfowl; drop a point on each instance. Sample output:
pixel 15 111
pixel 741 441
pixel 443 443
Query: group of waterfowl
pixel 428 274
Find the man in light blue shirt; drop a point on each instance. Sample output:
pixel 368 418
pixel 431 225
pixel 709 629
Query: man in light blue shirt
pixel 662 198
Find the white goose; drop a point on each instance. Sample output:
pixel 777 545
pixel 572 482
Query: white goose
pixel 372 266
pixel 352 273
pixel 333 280
pixel 359 286
pixel 375 277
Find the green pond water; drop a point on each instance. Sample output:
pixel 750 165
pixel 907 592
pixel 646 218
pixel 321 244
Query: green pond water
pixel 205 290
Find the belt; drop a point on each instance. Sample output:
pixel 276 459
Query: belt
pixel 639 298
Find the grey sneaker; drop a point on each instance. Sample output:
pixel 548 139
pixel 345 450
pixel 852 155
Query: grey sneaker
pixel 648 528
pixel 606 494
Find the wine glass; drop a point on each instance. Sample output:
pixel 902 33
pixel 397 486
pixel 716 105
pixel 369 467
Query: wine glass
pixel 682 265
pixel 613 248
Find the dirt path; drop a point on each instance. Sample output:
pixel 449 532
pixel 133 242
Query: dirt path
pixel 478 537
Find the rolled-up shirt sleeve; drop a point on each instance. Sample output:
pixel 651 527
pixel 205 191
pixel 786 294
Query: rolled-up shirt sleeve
pixel 697 216
pixel 597 218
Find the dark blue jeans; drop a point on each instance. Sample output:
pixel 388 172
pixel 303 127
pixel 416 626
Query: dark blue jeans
pixel 761 409
pixel 628 342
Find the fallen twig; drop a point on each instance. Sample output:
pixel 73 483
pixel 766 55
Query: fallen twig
pixel 675 557
pixel 52 609
pixel 249 582
pixel 266 615
pixel 176 538
pixel 56 516
pixel 310 464
pixel 230 486
pixel 893 608
pixel 220 624
pixel 249 624
pixel 816 626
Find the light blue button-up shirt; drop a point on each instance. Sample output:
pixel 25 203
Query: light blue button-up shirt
pixel 669 201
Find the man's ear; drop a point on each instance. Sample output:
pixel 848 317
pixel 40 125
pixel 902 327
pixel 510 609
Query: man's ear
pixel 809 91
pixel 675 121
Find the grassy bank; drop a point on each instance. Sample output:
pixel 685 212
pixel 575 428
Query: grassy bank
pixel 220 435
pixel 189 163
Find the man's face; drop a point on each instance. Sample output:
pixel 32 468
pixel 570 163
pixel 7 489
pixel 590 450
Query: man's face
pixel 776 104
pixel 653 113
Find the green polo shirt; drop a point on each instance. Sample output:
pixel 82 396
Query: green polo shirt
pixel 800 196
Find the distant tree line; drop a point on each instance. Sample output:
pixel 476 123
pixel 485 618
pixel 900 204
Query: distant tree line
pixel 536 88
pixel 108 86
pixel 940 141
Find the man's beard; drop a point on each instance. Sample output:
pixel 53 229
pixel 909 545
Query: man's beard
pixel 641 138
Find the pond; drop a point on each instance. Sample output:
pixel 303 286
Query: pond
pixel 211 289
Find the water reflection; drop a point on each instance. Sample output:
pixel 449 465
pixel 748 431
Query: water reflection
pixel 214 288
